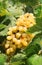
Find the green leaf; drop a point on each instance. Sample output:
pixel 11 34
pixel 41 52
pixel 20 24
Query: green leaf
pixel 12 11
pixel 4 32
pixel 30 2
pixel 39 23
pixel 2 26
pixel 3 59
pixel 38 11
pixel 18 57
pixel 3 10
pixel 38 39
pixel 9 21
pixel 33 29
pixel 32 49
pixel 16 9
pixel 40 1
pixel 34 60
pixel 18 63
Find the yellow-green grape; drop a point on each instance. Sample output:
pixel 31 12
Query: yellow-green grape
pixel 19 21
pixel 11 49
pixel 9 33
pixel 26 15
pixel 24 43
pixel 24 35
pixel 19 46
pixel 18 42
pixel 31 15
pixel 27 20
pixel 13 36
pixel 22 29
pixel 6 45
pixel 14 40
pixel 8 51
pixel 18 35
pixel 9 38
pixel 10 28
pixel 29 37
pixel 7 42
pixel 24 39
pixel 14 47
pixel 14 29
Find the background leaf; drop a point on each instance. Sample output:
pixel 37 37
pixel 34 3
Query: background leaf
pixel 38 39
pixel 2 26
pixel 3 59
pixel 34 60
pixel 32 49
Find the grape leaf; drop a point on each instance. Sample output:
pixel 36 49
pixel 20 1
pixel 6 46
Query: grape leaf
pixel 18 57
pixel 18 63
pixel 38 11
pixel 32 49
pixel 2 26
pixel 3 59
pixel 11 12
pixel 38 39
pixel 34 60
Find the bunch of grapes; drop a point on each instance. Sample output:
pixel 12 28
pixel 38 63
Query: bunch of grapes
pixel 17 38
pixel 27 20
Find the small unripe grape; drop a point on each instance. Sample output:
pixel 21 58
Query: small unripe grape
pixel 8 51
pixel 14 29
pixel 20 28
pixel 26 15
pixel 13 35
pixel 9 38
pixel 29 37
pixel 14 47
pixel 9 33
pixel 24 29
pixel 18 42
pixel 18 35
pixel 24 35
pixel 31 15
pixel 7 42
pixel 24 39
pixel 19 21
pixel 24 43
pixel 6 45
pixel 19 46
pixel 14 40
pixel 10 28
pixel 11 49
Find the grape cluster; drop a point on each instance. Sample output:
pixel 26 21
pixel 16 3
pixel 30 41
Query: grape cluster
pixel 17 38
pixel 27 20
